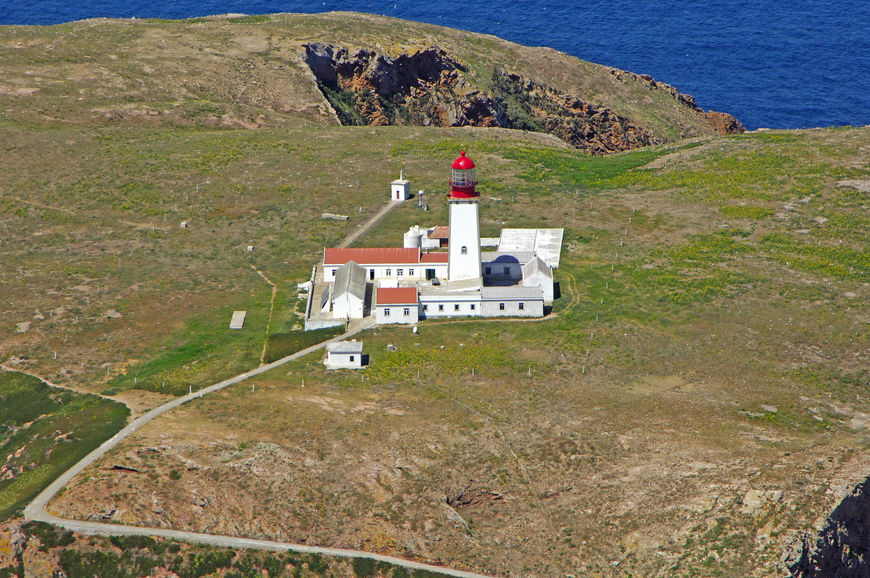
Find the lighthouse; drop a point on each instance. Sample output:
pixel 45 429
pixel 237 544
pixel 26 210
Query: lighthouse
pixel 463 261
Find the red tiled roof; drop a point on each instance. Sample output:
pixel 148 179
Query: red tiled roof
pixel 397 296
pixel 433 258
pixel 372 256
pixel 440 232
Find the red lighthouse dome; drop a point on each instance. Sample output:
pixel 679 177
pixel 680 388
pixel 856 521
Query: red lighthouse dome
pixel 462 178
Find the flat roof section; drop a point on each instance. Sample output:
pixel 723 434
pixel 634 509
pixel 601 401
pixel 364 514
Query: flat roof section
pixel 511 293
pixel 546 243
pixel 433 258
pixel 238 320
pixel 345 347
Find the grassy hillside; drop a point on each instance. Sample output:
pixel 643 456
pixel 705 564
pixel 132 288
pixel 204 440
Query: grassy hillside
pixel 248 71
pixel 43 431
pixel 698 397
pixel 709 351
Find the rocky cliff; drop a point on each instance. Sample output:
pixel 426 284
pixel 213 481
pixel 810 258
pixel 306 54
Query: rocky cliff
pixel 722 122
pixel 432 88
pixel 294 70
pixel 842 547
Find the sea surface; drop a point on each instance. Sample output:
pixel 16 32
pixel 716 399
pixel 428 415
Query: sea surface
pixel 771 63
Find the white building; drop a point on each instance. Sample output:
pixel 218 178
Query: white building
pixel 344 355
pixel 418 237
pixel 416 283
pixel 512 302
pixel 536 273
pixel 397 305
pixel 463 263
pixel 349 292
pixel 397 264
pixel 400 189
pixel 504 268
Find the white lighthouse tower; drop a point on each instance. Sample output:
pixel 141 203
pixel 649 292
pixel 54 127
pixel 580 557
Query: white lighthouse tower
pixel 463 254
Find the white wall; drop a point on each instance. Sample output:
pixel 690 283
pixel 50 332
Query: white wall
pixel 464 236
pixel 502 271
pixel 414 272
pixel 400 190
pixel 543 281
pixel 446 307
pixel 530 308
pixel 343 360
pixel 347 306
pixel 397 314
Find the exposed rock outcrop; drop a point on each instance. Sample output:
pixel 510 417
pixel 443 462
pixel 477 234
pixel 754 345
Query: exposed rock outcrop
pixel 842 547
pixel 722 122
pixel 432 88
pixel 534 106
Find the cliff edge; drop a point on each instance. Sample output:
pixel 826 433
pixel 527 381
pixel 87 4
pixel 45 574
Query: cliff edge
pixel 334 68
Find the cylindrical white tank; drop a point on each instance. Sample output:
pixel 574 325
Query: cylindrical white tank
pixel 413 238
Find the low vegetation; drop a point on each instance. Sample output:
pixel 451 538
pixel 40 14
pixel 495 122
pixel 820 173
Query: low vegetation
pixel 44 431
pixel 135 556
pixel 698 390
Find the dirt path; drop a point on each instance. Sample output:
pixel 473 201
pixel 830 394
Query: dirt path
pixel 103 529
pixel 351 238
pixel 5 367
pixel 271 310
pixel 36 509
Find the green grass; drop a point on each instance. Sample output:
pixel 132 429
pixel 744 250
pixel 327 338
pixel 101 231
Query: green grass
pixel 284 344
pixel 52 429
pixel 205 351
pixel 745 211
pixel 132 556
pixel 829 260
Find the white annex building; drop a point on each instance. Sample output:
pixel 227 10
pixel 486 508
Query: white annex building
pixel 344 355
pixel 422 280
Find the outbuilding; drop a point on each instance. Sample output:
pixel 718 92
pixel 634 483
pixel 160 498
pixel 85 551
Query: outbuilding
pixel 349 292
pixel 536 273
pixel 344 355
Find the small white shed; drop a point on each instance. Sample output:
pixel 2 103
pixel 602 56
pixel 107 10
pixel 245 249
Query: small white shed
pixel 344 355
pixel 536 273
pixel 400 189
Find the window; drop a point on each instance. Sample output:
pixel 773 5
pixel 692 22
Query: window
pixel 371 274
pixel 425 308
pixel 389 272
pixel 400 272
pixel 334 271
pixel 351 358
pixel 410 272
pixel 507 270
pixel 522 306
pixel 472 306
pixel 464 250
pixel 440 307
pixel 387 312
pixel 501 306
pixel 407 311
pixel 456 307
pixel 489 270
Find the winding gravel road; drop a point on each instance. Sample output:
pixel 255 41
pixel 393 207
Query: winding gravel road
pixel 36 509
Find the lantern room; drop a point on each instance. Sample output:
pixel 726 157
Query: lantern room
pixel 462 178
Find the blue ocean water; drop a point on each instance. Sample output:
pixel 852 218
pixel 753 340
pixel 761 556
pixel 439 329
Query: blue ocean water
pixel 771 63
